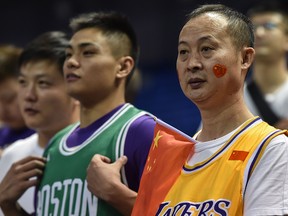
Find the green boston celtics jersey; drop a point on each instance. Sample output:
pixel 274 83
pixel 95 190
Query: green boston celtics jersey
pixel 63 188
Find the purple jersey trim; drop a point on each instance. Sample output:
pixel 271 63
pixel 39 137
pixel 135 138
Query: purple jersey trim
pixel 8 135
pixel 81 134
pixel 137 145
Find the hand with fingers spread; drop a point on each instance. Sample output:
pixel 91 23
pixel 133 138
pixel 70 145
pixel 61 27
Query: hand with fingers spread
pixel 21 176
pixel 104 181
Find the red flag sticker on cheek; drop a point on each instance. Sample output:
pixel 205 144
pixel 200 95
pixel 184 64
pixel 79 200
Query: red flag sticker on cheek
pixel 219 70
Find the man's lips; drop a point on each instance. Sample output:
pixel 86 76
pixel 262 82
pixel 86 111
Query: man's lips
pixel 31 111
pixel 196 83
pixel 72 77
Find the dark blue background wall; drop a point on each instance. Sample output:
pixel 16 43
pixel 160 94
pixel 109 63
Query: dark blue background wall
pixel 157 24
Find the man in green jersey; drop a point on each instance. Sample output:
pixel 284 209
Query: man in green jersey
pixel 100 59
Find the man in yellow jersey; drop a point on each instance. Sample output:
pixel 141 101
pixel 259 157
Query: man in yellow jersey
pixel 239 165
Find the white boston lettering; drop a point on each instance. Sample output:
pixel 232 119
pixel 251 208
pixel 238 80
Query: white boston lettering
pixel 75 197
pixel 54 200
pixel 69 197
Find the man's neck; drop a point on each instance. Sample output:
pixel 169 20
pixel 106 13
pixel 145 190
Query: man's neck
pixel 269 77
pixel 44 138
pixel 219 123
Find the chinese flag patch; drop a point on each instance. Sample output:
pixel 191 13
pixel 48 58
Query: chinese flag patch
pixel 238 155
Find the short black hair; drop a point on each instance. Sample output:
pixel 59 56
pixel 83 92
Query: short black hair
pixel 47 46
pixel 9 56
pixel 240 27
pixel 111 24
pixel 270 6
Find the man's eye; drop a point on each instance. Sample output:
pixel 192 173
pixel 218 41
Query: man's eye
pixel 21 82
pixel 68 55
pixel 205 49
pixel 266 25
pixel 183 52
pixel 88 52
pixel 43 83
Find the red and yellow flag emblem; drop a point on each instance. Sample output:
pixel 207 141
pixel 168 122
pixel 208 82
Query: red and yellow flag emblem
pixel 168 153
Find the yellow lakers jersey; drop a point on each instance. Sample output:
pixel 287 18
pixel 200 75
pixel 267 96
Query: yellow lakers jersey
pixel 217 185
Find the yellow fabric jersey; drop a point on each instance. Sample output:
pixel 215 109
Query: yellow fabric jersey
pixel 216 186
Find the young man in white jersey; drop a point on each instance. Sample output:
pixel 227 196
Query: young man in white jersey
pixel 12 126
pixel 46 107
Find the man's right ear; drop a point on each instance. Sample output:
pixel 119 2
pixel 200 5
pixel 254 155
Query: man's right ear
pixel 247 57
pixel 286 43
pixel 125 65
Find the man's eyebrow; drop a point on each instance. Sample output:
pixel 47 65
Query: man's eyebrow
pixel 206 38
pixel 38 76
pixel 80 45
pixel 202 39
